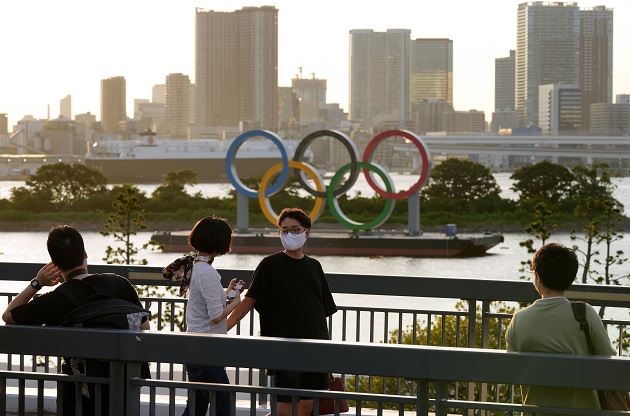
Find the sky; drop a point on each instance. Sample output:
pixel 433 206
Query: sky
pixel 65 47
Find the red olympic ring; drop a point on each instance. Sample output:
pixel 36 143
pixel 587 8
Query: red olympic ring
pixel 424 153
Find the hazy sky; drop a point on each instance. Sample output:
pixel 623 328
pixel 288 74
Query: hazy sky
pixel 55 48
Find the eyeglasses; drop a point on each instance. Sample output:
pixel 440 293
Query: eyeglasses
pixel 294 230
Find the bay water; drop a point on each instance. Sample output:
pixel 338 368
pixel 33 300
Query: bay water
pixel 501 262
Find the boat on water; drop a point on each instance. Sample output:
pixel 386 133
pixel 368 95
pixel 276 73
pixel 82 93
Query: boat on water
pixel 149 157
pixel 344 243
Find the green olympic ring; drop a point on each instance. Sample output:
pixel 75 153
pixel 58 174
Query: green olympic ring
pixel 338 214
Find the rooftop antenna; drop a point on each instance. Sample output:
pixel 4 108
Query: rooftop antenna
pixel 300 69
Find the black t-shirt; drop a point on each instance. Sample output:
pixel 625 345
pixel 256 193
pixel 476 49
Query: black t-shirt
pixel 292 297
pixel 51 307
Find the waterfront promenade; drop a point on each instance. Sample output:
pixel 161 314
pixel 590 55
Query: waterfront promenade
pixel 430 376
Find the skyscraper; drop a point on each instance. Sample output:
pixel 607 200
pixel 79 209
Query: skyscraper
pixel 431 69
pixel 236 68
pixel 178 104
pixel 596 59
pixel 559 109
pixel 379 75
pixel 547 52
pixel 113 103
pixel 311 93
pixel 504 82
pixel 65 107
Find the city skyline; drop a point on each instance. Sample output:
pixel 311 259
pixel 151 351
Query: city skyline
pixel 67 48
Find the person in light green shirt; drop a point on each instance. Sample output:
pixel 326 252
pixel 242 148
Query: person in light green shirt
pixel 549 326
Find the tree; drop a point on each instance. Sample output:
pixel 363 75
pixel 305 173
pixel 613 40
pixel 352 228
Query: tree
pixel 62 184
pixel 126 220
pixel 447 331
pixel 538 229
pixel 593 181
pixel 545 182
pixel 172 192
pixel 461 185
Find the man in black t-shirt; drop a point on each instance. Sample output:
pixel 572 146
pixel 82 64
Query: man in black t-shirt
pixel 69 261
pixel 291 295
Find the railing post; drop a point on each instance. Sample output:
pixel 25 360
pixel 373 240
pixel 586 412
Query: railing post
pixel 116 387
pixel 422 403
pixel 472 338
pixel 485 341
pixel 441 395
pixel 262 381
pixel 133 392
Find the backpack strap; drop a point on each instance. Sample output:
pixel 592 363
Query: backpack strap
pixel 579 311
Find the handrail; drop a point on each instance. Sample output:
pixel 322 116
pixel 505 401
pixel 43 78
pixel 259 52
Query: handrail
pixel 372 284
pixel 421 363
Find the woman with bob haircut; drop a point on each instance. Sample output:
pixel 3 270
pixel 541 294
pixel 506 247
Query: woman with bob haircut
pixel 208 305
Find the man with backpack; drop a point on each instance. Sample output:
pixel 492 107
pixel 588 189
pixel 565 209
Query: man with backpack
pixel 83 299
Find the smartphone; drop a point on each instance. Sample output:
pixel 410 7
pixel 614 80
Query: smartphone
pixel 232 293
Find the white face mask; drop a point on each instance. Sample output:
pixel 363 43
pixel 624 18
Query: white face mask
pixel 292 242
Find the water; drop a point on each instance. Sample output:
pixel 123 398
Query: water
pixel 501 263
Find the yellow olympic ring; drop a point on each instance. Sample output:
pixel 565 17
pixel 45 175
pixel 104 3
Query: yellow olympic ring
pixel 265 204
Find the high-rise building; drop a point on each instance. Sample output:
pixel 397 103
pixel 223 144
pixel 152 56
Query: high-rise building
pixel 379 75
pixel 431 70
pixel 311 93
pixel 504 82
pixel 610 119
pixel 4 123
pixel 547 52
pixel 178 104
pixel 429 115
pixel 596 59
pixel 65 107
pixel 465 121
pixel 113 103
pixel 559 109
pixel 236 68
pixel 158 94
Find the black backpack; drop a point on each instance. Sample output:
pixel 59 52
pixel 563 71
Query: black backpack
pixel 98 310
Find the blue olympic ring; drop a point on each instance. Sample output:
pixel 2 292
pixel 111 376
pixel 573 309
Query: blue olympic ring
pixel 230 166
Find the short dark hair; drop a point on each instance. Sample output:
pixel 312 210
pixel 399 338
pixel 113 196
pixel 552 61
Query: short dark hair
pixel 297 214
pixel 211 235
pixel 65 246
pixel 555 265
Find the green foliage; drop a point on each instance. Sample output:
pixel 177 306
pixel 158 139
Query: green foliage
pixel 125 222
pixel 447 331
pixel 538 229
pixel 462 186
pixel 61 185
pixel 601 226
pixel 593 181
pixel 544 182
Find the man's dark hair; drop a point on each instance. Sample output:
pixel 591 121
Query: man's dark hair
pixel 65 246
pixel 555 265
pixel 211 235
pixel 297 214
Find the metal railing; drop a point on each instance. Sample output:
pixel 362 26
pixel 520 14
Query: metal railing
pixel 474 324
pixel 431 369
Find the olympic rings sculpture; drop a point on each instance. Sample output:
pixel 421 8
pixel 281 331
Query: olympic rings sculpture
pixel 328 194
